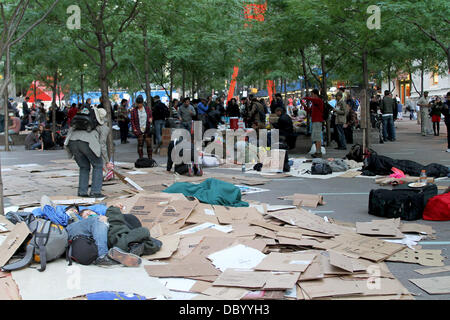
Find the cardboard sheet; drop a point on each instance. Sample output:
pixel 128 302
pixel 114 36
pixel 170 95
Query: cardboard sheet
pixel 305 200
pixel 169 246
pixel 289 262
pixel 241 279
pixel 182 269
pixel 330 287
pixel 62 282
pixel 436 285
pixel 9 289
pixel 427 271
pixel 225 293
pixel 345 263
pixel 429 258
pixel 12 242
pixel 379 228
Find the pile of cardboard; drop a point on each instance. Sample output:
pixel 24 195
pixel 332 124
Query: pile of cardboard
pixel 256 252
pixel 216 252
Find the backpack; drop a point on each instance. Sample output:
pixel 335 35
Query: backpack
pixel 48 242
pixel 320 168
pixel 145 163
pixel 85 119
pixel 438 208
pixel 82 250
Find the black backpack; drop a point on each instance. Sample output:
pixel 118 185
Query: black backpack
pixel 145 163
pixel 85 119
pixel 321 168
pixel 82 250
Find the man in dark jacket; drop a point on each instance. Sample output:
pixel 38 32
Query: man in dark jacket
pixel 160 114
pixel 286 127
pixel 388 108
pixel 141 121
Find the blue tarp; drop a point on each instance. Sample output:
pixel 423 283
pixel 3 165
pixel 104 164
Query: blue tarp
pixel 117 96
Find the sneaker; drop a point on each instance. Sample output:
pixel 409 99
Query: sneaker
pixel 45 201
pixel 137 249
pixel 105 261
pixel 199 171
pixel 190 171
pixel 125 258
pixel 317 155
pixel 83 195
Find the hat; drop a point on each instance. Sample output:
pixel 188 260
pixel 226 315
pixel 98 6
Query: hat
pixel 100 114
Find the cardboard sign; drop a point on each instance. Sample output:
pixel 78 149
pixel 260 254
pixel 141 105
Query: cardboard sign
pixel 14 240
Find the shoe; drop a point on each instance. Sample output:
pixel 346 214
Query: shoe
pixel 96 195
pixel 83 195
pixel 45 201
pixel 137 249
pixel 317 155
pixel 105 261
pixel 199 171
pixel 125 258
pixel 190 171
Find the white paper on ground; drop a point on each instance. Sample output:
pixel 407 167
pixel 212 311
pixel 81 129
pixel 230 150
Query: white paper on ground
pixel 409 240
pixel 236 257
pixel 60 281
pixel 207 225
pixel 210 212
pixel 176 295
pixel 177 284
pixel 137 172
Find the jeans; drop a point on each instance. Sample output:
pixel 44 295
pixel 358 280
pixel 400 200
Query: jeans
pixel 159 125
pixel 35 146
pixel 85 158
pixel 341 136
pixel 91 227
pixel 187 126
pixel 388 128
pixel 447 123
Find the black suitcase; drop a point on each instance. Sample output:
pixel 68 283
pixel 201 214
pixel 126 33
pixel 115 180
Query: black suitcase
pixel 402 202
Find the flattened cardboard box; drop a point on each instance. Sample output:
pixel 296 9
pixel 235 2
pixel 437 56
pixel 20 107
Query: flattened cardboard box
pixel 330 287
pixel 12 242
pixel 429 258
pixel 288 262
pixel 257 280
pixel 177 270
pixel 169 246
pixel 345 263
pixel 433 270
pixel 436 285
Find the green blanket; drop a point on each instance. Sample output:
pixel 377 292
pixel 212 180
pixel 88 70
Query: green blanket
pixel 121 236
pixel 210 191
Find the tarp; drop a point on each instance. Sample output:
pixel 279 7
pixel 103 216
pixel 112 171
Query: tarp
pixel 210 191
pixel 42 93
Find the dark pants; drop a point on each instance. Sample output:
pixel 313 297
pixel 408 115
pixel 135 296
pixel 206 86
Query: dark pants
pixel 123 125
pixel 436 128
pixel 145 138
pixel 447 123
pixel 85 158
pixel 388 128
pixel 341 136
pixel 349 134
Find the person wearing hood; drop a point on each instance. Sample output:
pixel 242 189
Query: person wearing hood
pixel 88 148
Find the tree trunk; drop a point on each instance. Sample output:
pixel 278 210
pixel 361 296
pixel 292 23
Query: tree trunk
pixel 305 73
pixel 184 83
pixel 422 74
pixel 82 89
pixel 171 86
pixel 389 78
pixel 6 79
pixel 365 116
pixel 104 88
pixel 54 89
pixel 148 89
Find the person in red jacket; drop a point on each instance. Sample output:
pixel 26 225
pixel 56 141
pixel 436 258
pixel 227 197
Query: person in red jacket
pixel 71 113
pixel 141 121
pixel 317 119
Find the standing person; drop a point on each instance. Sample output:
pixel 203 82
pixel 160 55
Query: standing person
pixel 257 114
pixel 202 110
pixel 89 150
pixel 26 112
pixel 72 113
pixel 245 111
pixel 285 127
pixel 160 114
pixel 374 106
pixel 424 105
pixel 340 121
pixel 233 110
pixel 435 113
pixel 446 113
pixel 317 120
pixel 141 122
pixel 123 120
pixel 42 115
pixel 352 122
pixel 387 108
pixel 186 112
pixel 410 107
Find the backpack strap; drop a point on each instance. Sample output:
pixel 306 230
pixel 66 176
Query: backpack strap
pixel 40 241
